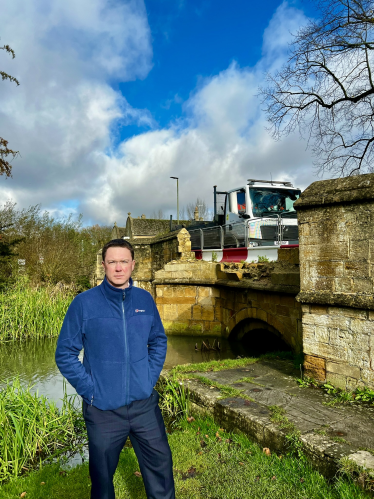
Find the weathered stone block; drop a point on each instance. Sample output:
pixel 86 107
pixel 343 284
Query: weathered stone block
pixel 218 316
pixel 358 357
pixel 196 312
pixel 315 367
pixel 337 380
pixel 276 323
pixel 289 255
pixel 262 315
pixel 281 310
pixel 176 300
pixel 318 309
pixel 340 337
pixel 170 312
pixel 322 334
pixel 187 291
pixel 197 327
pixel 241 315
pixel 333 251
pixel 308 333
pixel 359 249
pixel 328 268
pixel 344 369
pixel 326 351
pixel 362 326
pixel 348 312
pixel 362 285
pixel 203 291
pixel 184 312
pixel 367 376
pixel 343 285
pixel 323 284
pixel 285 278
pixel 160 309
pixel 330 321
pixel 159 291
pixel 207 313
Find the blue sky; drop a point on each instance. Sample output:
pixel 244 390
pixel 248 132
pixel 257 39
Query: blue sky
pixel 116 97
pixel 193 40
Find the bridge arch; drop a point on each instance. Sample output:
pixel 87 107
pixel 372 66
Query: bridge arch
pixel 258 336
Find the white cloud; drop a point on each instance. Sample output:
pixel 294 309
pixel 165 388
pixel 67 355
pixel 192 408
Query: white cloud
pixel 62 115
pixel 222 141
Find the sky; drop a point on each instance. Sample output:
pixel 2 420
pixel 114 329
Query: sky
pixel 117 96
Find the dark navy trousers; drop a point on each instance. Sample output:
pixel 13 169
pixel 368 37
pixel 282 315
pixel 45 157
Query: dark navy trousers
pixel 107 434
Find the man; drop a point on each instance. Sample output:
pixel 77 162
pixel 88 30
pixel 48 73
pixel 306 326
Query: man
pixel 124 344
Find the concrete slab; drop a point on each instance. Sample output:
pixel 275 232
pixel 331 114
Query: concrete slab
pixel 327 433
pixel 364 459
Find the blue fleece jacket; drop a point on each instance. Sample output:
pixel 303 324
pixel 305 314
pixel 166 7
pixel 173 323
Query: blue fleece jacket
pixel 124 345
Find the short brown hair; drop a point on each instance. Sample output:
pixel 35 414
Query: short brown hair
pixel 118 243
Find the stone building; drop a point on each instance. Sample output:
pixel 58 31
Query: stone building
pixel 142 227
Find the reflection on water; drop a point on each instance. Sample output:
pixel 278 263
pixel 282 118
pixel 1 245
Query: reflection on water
pixel 34 361
pixel 181 350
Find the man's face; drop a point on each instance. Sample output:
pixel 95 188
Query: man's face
pixel 118 266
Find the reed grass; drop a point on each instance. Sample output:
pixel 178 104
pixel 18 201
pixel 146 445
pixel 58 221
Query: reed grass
pixel 32 312
pixel 33 429
pixel 174 398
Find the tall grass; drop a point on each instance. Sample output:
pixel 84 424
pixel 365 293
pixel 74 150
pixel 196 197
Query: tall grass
pixel 32 312
pixel 175 398
pixel 33 429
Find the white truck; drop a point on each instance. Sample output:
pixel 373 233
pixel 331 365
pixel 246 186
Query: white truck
pixel 258 218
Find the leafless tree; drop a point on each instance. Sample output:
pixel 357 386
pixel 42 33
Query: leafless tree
pixel 326 89
pixel 158 215
pixel 204 212
pixel 5 151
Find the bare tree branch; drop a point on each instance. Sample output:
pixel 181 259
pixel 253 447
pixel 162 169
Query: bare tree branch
pixel 326 89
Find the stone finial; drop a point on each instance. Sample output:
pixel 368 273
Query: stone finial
pixel 196 214
pixel 129 214
pixel 143 217
pixel 115 224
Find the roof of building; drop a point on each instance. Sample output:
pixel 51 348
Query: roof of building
pixel 145 227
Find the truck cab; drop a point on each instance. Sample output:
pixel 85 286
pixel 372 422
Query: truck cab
pixel 265 206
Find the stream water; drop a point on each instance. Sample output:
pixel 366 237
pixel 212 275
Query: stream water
pixel 33 361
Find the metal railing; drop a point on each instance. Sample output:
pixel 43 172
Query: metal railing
pixel 261 232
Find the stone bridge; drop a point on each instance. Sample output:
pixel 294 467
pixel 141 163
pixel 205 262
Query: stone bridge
pixel 204 298
pixel 319 302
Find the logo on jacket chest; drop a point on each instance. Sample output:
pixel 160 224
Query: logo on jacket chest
pixel 138 310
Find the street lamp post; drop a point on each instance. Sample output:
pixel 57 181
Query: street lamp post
pixel 176 178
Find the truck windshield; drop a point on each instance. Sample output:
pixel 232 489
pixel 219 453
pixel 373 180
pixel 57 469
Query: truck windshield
pixel 272 201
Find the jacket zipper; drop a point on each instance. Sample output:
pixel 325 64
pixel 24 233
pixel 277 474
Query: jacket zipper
pixel 126 350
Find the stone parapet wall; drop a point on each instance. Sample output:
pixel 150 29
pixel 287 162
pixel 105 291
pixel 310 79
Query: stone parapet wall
pixel 338 343
pixel 336 233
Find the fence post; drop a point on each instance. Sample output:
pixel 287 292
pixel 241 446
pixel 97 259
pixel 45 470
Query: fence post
pixel 201 239
pixel 280 230
pixel 222 237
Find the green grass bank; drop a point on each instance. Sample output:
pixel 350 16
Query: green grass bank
pixel 209 463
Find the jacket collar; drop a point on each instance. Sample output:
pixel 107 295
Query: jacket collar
pixel 115 293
